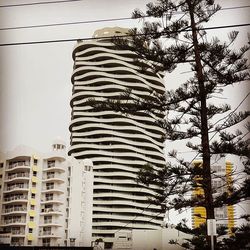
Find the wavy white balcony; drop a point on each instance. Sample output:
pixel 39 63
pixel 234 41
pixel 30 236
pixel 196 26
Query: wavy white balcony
pixel 53 177
pixel 18 165
pixel 17 177
pixel 48 234
pixel 16 187
pixel 14 210
pixel 15 222
pixel 54 211
pixel 17 233
pixel 16 198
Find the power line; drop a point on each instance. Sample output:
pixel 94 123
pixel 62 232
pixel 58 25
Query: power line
pixel 108 37
pixel 229 116
pixel 38 3
pixel 224 123
pixel 64 24
pixel 93 21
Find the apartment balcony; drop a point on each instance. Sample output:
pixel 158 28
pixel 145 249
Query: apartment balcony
pixel 17 242
pixel 53 189
pixel 15 222
pixel 17 177
pixel 14 210
pixel 16 199
pixel 50 223
pixel 52 200
pixel 16 187
pixel 56 211
pixel 17 233
pixel 53 177
pixel 48 234
pixel 57 167
pixel 24 165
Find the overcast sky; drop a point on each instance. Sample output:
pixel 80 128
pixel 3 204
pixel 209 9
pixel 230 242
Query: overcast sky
pixel 35 86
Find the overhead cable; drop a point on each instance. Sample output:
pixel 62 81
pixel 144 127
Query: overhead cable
pixel 108 37
pixel 38 3
pixel 95 21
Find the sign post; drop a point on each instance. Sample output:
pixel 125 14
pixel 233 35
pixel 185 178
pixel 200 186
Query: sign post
pixel 211 230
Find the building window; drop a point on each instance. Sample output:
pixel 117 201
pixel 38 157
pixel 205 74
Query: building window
pixel 33 196
pixel 49 197
pixel 51 164
pixel 46 242
pixel 32 207
pixel 48 219
pixel 35 162
pixel 1 165
pixel 29 242
pixel 33 184
pixel 30 230
pixel 31 218
pixel 72 242
pixel 34 173
pixel 49 186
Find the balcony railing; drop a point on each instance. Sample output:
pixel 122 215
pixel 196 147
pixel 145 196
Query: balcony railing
pixel 47 210
pixel 17 232
pixel 51 164
pixel 20 163
pixel 14 220
pixel 15 209
pixel 45 233
pixel 48 221
pixel 49 198
pixel 16 186
pixel 16 197
pixel 49 176
pixel 17 243
pixel 17 175
pixel 49 187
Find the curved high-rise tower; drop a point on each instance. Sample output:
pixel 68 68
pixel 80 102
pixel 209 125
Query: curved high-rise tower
pixel 118 145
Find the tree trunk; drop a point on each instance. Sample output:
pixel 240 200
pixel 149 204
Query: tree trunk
pixel 207 182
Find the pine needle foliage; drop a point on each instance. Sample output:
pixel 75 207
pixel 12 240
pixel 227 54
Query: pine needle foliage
pixel 189 113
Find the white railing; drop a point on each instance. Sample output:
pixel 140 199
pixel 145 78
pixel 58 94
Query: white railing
pixel 15 209
pixel 47 221
pixel 17 232
pixel 47 210
pixel 49 176
pixel 51 164
pixel 17 243
pixel 49 187
pixel 16 175
pixel 20 163
pixel 49 198
pixel 16 220
pixel 15 197
pixel 16 186
pixel 44 233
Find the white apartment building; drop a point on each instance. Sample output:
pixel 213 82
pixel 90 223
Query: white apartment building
pixel 44 197
pixel 118 145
